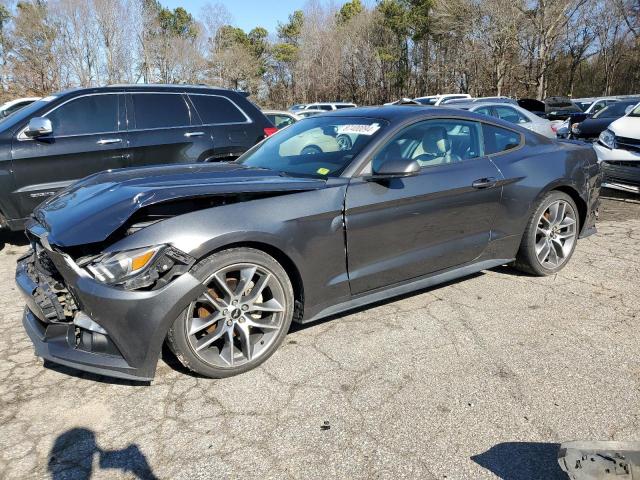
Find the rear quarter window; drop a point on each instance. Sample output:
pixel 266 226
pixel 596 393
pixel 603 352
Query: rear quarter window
pixel 497 139
pixel 214 109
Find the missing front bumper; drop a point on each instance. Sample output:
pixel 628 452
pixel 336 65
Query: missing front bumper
pixel 123 333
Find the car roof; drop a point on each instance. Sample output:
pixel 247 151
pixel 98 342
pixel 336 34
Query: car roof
pixel 396 114
pixel 399 113
pixel 149 87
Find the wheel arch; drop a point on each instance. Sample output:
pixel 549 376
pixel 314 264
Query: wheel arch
pixel 579 201
pixel 283 259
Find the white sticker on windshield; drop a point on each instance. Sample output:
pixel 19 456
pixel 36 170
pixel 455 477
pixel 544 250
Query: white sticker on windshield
pixel 358 129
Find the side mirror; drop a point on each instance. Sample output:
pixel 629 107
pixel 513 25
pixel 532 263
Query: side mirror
pixel 38 126
pixel 396 168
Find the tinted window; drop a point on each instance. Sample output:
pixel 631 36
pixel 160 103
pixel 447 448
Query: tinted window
pixel 160 110
pixel 510 115
pixel 214 109
pixel 484 111
pixel 433 142
pixel 323 107
pixel 614 110
pixel 426 101
pixel 86 115
pixel 498 139
pixel 344 106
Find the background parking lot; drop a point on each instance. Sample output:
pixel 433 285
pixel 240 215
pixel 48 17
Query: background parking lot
pixel 477 378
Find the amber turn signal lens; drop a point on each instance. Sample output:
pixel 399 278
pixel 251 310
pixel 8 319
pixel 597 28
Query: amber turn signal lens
pixel 140 261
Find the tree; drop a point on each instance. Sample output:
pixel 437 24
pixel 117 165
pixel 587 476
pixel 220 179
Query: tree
pixel 35 67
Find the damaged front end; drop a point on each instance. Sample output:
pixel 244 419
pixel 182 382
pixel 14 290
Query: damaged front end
pixel 76 319
pixel 99 297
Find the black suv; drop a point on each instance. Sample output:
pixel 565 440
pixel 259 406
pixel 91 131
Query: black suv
pixel 64 137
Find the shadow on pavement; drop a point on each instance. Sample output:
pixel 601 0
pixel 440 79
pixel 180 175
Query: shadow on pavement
pixel 522 461
pixel 75 454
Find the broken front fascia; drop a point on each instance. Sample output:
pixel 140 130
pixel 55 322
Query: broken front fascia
pixel 593 460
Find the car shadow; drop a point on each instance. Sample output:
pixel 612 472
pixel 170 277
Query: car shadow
pixel 296 327
pixel 522 461
pixel 75 453
pixel 93 377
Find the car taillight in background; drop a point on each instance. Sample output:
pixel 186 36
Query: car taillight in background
pixel 268 131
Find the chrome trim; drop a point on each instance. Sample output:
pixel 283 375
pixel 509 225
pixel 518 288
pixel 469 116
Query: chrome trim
pixel 227 99
pixel 108 141
pixel 21 137
pixel 193 134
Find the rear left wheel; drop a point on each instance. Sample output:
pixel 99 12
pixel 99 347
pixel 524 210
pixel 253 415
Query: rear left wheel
pixel 550 236
pixel 240 319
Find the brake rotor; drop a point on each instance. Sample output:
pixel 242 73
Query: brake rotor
pixel 204 312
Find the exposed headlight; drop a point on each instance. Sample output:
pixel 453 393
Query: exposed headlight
pixel 151 267
pixel 115 268
pixel 608 139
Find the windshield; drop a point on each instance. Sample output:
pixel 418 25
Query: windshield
pixel 635 112
pixel 23 113
pixel 318 147
pixel 614 110
pixel 584 106
pixel 426 101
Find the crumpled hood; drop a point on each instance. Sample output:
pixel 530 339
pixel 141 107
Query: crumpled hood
pixel 90 210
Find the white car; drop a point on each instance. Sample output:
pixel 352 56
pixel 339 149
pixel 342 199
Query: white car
pixel 328 106
pixel 618 150
pixel 280 118
pixel 306 113
pixel 511 113
pixel 435 100
pixel 8 108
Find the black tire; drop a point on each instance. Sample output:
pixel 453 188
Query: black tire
pixel 178 338
pixel 311 150
pixel 527 260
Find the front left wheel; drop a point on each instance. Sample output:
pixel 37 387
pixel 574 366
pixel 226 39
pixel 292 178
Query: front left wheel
pixel 241 317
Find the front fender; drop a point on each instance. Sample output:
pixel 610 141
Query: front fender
pixel 307 227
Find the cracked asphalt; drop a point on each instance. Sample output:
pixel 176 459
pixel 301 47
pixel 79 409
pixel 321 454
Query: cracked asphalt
pixel 478 378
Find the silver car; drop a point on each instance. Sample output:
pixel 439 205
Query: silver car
pixel 510 113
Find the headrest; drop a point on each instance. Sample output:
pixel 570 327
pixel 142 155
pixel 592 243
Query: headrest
pixel 435 140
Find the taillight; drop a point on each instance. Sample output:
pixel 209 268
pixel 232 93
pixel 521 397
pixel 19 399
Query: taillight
pixel 268 131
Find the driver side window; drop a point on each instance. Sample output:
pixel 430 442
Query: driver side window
pixel 433 143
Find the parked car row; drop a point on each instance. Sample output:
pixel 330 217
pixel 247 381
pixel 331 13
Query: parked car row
pixel 585 119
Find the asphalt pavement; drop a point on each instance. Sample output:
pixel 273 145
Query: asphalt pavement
pixel 478 378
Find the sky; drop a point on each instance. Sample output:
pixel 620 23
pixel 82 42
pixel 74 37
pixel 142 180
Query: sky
pixel 246 14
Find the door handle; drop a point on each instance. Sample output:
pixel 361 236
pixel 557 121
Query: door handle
pixel 109 141
pixel 193 134
pixel 484 183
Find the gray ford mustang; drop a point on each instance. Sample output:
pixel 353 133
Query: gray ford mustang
pixel 334 212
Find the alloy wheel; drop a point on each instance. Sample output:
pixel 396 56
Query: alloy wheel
pixel 556 234
pixel 238 317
